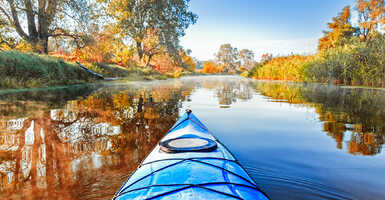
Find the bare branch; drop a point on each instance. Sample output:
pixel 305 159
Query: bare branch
pixel 7 43
pixel 78 39
pixel 6 14
pixel 25 10
pixel 16 22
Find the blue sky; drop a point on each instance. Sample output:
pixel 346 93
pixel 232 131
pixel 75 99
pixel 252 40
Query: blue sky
pixel 280 27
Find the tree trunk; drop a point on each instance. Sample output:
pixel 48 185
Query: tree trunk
pixel 139 49
pixel 41 45
pixel 149 59
pixel 44 45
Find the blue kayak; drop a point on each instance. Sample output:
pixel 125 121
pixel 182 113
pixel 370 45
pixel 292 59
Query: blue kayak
pixel 190 163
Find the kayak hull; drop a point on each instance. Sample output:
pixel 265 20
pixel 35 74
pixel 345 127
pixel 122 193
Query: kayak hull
pixel 190 175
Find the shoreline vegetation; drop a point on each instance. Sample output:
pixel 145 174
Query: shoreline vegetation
pixel 132 40
pixel 133 43
pixel 347 54
pixel 356 63
pixel 30 70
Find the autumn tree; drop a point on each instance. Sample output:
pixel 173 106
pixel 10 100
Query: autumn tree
pixel 371 14
pixel 187 61
pixel 340 28
pixel 35 21
pixel 228 56
pixel 211 67
pixel 247 58
pixel 166 19
pixel 151 45
pixel 165 63
pixel 103 46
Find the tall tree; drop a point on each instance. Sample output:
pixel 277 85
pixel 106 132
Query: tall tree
pixel 371 15
pixel 340 28
pixel 37 20
pixel 151 45
pixel 228 56
pixel 247 58
pixel 167 19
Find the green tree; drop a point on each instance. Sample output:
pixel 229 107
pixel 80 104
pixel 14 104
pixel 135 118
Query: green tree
pixel 35 21
pixel 228 56
pixel 166 19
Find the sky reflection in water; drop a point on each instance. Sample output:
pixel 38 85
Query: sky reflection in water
pixel 298 141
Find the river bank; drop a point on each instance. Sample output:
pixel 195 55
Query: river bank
pixel 356 62
pixel 27 70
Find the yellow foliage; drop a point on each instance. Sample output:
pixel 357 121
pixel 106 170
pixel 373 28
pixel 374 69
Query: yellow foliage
pixel 5 47
pixel 245 74
pixel 177 73
pixel 24 46
pixel 288 68
pixel 106 47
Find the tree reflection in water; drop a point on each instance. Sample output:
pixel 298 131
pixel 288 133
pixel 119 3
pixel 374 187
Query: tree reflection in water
pixel 82 142
pixel 84 148
pixel 229 90
pixel 345 112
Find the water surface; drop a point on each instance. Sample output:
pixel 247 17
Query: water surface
pixel 297 141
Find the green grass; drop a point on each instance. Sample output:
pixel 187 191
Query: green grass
pixel 21 70
pixel 133 73
pixel 28 70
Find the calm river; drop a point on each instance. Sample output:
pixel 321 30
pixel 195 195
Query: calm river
pixel 297 141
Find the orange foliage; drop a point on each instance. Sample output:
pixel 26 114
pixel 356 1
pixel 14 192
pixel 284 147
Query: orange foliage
pixel 363 144
pixel 188 62
pixel 104 47
pixel 61 54
pixel 100 50
pixel 164 63
pixel 339 28
pixel 211 67
pixel 371 14
pixel 242 68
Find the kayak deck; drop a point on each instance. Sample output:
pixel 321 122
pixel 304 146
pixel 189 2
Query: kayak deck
pixel 190 175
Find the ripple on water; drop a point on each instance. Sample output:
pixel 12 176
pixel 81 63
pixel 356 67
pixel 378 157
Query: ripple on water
pixel 279 184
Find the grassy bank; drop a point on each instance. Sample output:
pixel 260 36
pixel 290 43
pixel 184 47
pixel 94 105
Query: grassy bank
pixel 21 70
pixel 28 70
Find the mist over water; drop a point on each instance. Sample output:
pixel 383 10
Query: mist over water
pixel 298 141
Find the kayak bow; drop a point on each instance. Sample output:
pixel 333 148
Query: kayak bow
pixel 190 163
